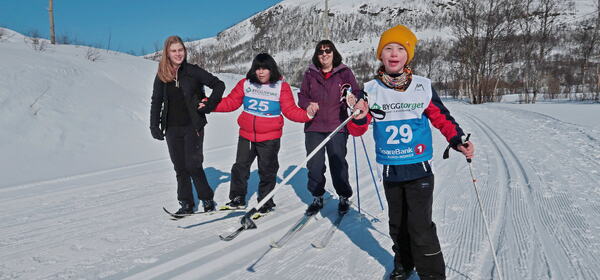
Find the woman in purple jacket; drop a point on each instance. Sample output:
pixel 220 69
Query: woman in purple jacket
pixel 324 83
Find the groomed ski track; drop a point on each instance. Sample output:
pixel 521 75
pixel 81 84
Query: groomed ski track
pixel 539 179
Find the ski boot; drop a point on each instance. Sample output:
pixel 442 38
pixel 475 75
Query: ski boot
pixel 315 206
pixel 344 205
pixel 186 208
pixel 236 203
pixel 209 205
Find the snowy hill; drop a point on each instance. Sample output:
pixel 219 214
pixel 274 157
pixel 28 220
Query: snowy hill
pixel 64 114
pixel 292 27
pixel 83 186
pixel 290 30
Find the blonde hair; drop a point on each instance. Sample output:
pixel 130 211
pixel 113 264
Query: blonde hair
pixel 165 66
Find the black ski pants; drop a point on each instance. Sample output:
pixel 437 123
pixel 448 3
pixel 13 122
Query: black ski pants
pixel 185 150
pixel 416 244
pixel 336 154
pixel 268 165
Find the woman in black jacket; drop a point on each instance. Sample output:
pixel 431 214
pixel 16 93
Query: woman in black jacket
pixel 178 89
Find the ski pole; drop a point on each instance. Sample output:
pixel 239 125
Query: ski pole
pixel 487 229
pixel 372 175
pixel 246 220
pixel 356 171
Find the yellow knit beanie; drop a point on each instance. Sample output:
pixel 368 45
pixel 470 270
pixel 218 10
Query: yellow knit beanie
pixel 398 34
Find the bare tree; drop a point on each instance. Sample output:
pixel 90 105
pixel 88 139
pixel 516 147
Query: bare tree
pixel 51 16
pixel 481 28
pixel 431 59
pixel 587 37
pixel 194 55
pixel 109 39
pixel 546 15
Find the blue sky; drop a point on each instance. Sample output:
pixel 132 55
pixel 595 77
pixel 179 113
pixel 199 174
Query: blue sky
pixel 133 25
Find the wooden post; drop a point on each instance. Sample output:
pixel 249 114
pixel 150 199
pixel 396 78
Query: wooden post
pixel 326 21
pixel 51 15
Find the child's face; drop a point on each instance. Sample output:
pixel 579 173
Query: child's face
pixel 394 58
pixel 263 75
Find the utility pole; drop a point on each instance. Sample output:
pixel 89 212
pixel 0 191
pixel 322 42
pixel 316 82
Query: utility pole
pixel 51 15
pixel 326 20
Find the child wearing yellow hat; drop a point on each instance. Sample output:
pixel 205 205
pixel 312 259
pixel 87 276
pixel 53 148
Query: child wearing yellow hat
pixel 407 104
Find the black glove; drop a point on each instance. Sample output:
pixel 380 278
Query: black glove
pixel 157 133
pixel 207 107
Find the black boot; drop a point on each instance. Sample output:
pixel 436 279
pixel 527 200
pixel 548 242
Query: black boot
pixel 209 205
pixel 267 207
pixel 237 202
pixel 398 273
pixel 186 208
pixel 344 205
pixel 315 206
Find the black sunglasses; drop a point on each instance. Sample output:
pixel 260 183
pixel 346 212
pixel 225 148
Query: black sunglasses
pixel 325 51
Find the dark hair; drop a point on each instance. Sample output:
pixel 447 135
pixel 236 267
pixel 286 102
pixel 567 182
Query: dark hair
pixel 264 61
pixel 337 57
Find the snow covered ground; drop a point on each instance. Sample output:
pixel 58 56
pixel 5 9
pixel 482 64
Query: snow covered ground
pixel 83 184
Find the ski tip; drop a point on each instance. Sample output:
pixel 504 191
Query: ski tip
pixel 174 217
pixel 317 245
pixel 225 238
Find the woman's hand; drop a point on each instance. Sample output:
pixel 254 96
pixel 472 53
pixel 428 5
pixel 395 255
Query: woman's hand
pixel 202 103
pixel 350 99
pixel 312 109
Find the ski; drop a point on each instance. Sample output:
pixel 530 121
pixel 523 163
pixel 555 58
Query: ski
pixel 180 216
pixel 320 244
pixel 259 215
pixel 293 230
pixel 232 235
pixel 247 223
pixel 296 227
pixel 229 208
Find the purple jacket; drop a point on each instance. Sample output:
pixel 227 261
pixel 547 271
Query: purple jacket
pixel 327 93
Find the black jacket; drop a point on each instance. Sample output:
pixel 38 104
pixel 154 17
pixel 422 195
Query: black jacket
pixel 192 80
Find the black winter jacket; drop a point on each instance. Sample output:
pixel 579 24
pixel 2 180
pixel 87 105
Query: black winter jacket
pixel 192 80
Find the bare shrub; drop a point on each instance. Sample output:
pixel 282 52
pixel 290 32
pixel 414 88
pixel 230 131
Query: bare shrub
pixel 36 42
pixel 92 54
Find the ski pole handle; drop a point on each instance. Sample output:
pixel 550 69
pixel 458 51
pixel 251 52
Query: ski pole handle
pixel 467 140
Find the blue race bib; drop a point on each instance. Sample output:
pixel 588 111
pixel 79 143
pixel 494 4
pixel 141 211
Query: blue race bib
pixel 262 107
pixel 401 142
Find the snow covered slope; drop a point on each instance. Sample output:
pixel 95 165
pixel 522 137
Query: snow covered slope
pixel 538 174
pixel 63 114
